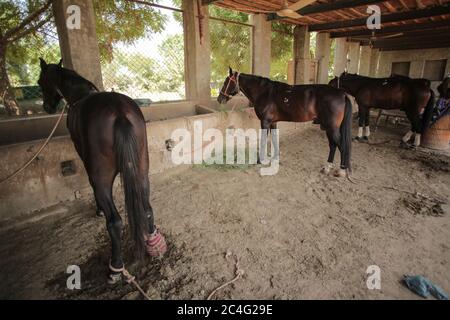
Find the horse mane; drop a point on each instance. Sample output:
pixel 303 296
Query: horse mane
pixel 353 76
pixel 76 78
pixel 399 76
pixel 393 76
pixel 264 80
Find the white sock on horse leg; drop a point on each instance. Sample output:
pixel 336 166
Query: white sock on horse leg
pixel 407 136
pixel 263 145
pixel 360 132
pixel 275 144
pixel 366 131
pixel 417 140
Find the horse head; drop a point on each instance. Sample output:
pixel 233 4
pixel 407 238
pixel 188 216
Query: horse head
pixel 48 81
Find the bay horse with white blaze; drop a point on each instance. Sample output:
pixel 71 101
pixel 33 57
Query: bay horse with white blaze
pixel 109 134
pixel 413 96
pixel 275 101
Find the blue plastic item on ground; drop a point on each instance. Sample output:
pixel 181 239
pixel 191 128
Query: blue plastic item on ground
pixel 424 287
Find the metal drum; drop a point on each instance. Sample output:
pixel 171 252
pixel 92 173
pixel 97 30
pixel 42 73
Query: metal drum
pixel 438 135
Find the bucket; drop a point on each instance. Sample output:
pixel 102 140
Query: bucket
pixel 438 135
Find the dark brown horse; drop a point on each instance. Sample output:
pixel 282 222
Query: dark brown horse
pixel 413 96
pixel 109 134
pixel 276 101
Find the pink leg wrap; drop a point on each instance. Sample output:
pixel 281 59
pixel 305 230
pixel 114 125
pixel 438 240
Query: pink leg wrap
pixel 156 244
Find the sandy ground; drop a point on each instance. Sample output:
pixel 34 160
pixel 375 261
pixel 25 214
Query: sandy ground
pixel 298 234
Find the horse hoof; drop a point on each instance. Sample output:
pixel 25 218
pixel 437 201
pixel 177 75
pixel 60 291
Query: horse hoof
pixel 99 213
pixel 365 139
pixel 114 278
pixel 340 173
pixel 359 139
pixel 156 244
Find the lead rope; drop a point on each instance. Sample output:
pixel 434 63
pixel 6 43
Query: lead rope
pixel 23 167
pixel 238 274
pixel 129 278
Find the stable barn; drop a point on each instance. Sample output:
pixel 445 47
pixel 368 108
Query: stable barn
pixel 298 234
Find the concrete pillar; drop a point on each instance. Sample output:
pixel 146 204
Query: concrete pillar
pixel 323 48
pixel 353 57
pixel 261 45
pixel 197 51
pixel 374 58
pixel 364 61
pixel 79 47
pixel 301 55
pixel 340 56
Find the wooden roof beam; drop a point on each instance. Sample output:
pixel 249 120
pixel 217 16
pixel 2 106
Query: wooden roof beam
pixel 392 29
pixel 416 46
pixel 391 17
pixel 208 2
pixel 327 7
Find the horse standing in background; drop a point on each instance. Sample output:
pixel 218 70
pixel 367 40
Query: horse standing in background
pixel 413 96
pixel 275 101
pixel 109 134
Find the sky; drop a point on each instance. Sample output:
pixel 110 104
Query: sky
pixel 147 46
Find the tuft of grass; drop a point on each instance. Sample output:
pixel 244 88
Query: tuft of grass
pixel 224 166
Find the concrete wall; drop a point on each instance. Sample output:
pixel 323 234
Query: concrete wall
pixel 417 59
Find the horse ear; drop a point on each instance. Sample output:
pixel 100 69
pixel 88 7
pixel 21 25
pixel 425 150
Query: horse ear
pixel 60 63
pixel 43 63
pixel 231 71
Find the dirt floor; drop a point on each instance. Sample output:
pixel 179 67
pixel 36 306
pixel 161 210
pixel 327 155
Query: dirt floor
pixel 298 234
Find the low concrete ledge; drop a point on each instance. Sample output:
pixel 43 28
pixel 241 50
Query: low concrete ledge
pixel 17 130
pixel 45 183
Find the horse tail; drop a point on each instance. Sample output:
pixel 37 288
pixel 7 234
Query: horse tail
pixel 428 113
pixel 127 157
pixel 346 135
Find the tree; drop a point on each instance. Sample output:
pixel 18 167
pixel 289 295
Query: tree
pixel 230 43
pixel 18 20
pixel 172 51
pixel 24 23
pixel 281 50
pixel 124 21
